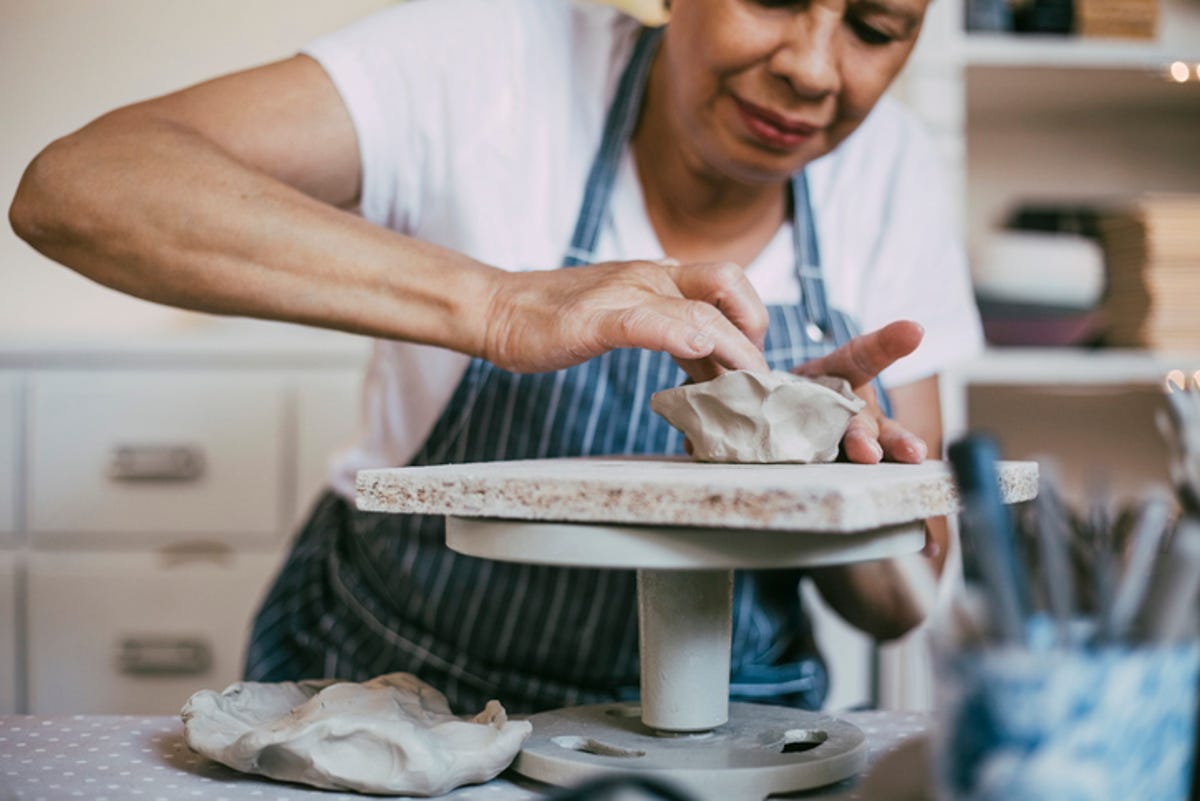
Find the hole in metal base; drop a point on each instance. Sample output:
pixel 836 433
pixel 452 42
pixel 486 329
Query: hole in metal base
pixel 589 746
pixel 797 741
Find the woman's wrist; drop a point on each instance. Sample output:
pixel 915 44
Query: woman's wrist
pixel 441 298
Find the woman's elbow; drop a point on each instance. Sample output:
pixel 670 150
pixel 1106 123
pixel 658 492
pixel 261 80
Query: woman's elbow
pixel 34 214
pixel 896 622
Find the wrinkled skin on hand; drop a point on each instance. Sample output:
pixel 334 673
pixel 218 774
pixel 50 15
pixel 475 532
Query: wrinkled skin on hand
pixel 707 316
pixel 871 436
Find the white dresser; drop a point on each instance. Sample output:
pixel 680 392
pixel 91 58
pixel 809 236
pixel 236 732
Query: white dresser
pixel 148 491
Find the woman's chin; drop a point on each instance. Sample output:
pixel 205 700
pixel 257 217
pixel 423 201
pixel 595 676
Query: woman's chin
pixel 755 166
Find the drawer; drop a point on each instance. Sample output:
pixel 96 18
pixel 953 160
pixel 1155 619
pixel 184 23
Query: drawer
pixel 328 418
pixel 9 454
pixel 129 458
pixel 8 633
pixel 137 633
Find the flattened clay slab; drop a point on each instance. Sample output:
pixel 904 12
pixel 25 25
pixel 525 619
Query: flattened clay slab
pixel 747 417
pixel 391 735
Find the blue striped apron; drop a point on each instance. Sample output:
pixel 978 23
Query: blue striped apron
pixel 365 593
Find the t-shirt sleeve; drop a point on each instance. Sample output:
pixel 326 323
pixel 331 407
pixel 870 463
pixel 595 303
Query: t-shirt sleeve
pixel 421 80
pixel 919 267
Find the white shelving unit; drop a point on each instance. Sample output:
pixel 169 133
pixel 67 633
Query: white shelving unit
pixel 1075 119
pixel 1082 121
pixel 1074 367
pixel 1023 117
pixel 1054 118
pixel 1058 52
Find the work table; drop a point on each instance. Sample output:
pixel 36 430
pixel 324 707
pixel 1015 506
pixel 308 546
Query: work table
pixel 123 758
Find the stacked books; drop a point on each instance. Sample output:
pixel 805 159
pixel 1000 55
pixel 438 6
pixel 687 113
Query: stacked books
pixel 1128 19
pixel 1152 251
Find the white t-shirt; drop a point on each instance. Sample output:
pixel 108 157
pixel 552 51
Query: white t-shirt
pixel 477 122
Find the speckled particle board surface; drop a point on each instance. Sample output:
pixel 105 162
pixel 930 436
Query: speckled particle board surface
pixel 678 492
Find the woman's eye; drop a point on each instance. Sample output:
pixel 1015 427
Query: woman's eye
pixel 867 33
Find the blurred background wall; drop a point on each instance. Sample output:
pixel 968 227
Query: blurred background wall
pixel 65 62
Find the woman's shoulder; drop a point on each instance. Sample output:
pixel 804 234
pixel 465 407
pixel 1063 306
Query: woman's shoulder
pixel 447 32
pixel 471 60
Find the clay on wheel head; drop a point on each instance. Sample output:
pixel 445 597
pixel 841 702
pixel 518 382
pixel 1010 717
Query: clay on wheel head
pixel 761 418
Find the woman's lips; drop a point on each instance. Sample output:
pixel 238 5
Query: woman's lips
pixel 774 129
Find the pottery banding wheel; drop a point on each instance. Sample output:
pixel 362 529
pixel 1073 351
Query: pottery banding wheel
pixel 684 526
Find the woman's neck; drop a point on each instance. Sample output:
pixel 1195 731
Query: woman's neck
pixel 698 214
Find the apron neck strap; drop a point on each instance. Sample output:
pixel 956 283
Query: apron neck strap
pixel 817 324
pixel 618 128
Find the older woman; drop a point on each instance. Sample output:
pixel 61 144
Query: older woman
pixel 728 191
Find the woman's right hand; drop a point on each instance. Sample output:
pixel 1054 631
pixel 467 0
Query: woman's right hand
pixel 707 316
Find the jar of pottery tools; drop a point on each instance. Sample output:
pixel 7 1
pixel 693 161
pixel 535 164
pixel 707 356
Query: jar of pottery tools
pixel 1071 671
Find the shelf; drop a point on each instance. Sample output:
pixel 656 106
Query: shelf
pixel 1015 94
pixel 1026 50
pixel 1074 367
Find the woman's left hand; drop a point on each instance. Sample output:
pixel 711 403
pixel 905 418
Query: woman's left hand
pixel 888 597
pixel 871 436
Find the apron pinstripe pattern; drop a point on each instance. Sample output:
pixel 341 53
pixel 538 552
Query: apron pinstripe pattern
pixel 364 594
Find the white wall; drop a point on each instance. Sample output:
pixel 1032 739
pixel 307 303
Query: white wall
pixel 65 62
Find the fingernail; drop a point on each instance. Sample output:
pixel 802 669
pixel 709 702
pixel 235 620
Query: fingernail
pixel 876 449
pixel 700 340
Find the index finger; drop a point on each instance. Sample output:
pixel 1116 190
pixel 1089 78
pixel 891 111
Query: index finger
pixel 866 356
pixel 724 285
pixel 731 350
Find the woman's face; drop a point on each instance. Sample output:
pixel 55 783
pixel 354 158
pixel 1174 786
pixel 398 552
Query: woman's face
pixel 762 87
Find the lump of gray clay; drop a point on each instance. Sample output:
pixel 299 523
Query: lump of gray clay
pixel 761 418
pixel 392 735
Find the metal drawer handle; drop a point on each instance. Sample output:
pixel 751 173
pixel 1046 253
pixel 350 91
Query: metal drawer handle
pixel 176 463
pixel 164 656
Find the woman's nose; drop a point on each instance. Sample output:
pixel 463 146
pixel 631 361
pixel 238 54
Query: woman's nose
pixel 807 56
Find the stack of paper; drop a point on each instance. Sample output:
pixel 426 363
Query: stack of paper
pixel 1152 250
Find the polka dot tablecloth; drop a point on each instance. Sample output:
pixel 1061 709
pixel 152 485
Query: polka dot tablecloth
pixel 109 758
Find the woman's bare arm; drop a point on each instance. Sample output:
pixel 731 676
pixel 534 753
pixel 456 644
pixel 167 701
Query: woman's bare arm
pixel 885 598
pixel 230 197
pixel 223 198
pixel 878 597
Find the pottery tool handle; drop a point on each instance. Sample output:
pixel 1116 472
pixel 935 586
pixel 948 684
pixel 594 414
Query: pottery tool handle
pixel 1054 531
pixel 987 522
pixel 1180 427
pixel 1169 611
pixel 1152 523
